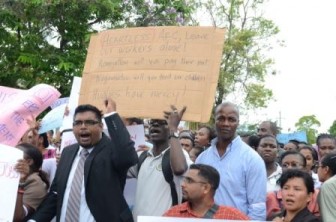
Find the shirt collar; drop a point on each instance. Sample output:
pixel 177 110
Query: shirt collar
pixel 150 151
pixel 81 148
pixel 234 142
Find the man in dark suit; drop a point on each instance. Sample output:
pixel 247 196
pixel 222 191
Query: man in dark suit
pixel 100 196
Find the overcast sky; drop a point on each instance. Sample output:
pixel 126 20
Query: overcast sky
pixel 305 83
pixel 305 80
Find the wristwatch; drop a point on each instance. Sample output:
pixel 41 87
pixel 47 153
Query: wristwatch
pixel 173 134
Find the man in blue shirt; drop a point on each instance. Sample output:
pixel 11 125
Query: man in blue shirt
pixel 242 171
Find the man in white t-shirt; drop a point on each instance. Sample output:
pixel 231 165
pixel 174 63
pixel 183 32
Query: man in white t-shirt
pixel 153 193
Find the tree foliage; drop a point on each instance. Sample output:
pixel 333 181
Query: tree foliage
pixel 308 124
pixel 332 129
pixel 245 63
pixel 43 41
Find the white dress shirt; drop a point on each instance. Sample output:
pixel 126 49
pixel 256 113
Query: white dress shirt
pixel 84 211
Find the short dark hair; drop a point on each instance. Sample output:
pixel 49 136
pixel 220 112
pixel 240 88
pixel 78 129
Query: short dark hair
pixel 273 126
pixel 253 141
pixel 294 141
pixel 91 108
pixel 267 136
pixel 294 153
pixel 329 160
pixel 198 150
pixel 324 136
pixel 132 120
pixel 211 130
pixel 32 152
pixel 209 173
pixel 311 149
pixel 295 173
pixel 187 134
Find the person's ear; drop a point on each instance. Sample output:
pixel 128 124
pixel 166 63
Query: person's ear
pixel 30 161
pixel 309 197
pixel 327 170
pixel 207 188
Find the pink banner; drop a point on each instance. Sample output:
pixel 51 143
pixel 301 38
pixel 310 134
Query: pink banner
pixel 18 106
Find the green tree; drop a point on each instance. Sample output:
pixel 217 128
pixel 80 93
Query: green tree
pixel 43 41
pixel 245 62
pixel 247 129
pixel 332 129
pixel 308 124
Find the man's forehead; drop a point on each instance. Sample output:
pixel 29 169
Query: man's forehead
pixel 85 113
pixel 192 173
pixel 227 108
pixel 265 125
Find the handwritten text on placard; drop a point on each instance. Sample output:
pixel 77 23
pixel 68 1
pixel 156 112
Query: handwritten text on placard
pixel 147 69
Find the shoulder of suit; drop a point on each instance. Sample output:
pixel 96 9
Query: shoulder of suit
pixel 70 147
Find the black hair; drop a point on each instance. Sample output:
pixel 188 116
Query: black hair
pixel 303 143
pixel 51 132
pixel 88 107
pixel 33 153
pixel 132 120
pixel 208 173
pixel 211 130
pixel 329 160
pixel 198 149
pixel 44 136
pixel 324 136
pixel 267 136
pixel 187 134
pixel 294 153
pixel 312 150
pixel 253 141
pixel 295 173
pixel 294 141
pixel 273 127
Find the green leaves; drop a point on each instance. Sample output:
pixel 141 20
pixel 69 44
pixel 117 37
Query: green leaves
pixel 308 124
pixel 245 61
pixel 332 129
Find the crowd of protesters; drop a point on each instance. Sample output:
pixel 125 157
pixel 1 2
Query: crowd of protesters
pixel 211 172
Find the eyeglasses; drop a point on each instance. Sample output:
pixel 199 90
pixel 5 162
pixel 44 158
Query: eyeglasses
pixel 292 165
pixel 157 121
pixel 189 180
pixel 85 122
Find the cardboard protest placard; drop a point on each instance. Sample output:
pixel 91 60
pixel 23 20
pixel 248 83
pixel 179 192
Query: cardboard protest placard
pixel 9 181
pixel 145 70
pixel 23 105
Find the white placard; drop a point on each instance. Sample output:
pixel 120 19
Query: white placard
pixel 73 103
pixel 177 219
pixel 53 119
pixel 68 138
pixel 137 133
pixel 9 181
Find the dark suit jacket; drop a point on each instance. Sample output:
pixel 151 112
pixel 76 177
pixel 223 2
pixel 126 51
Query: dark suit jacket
pixel 304 216
pixel 104 177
